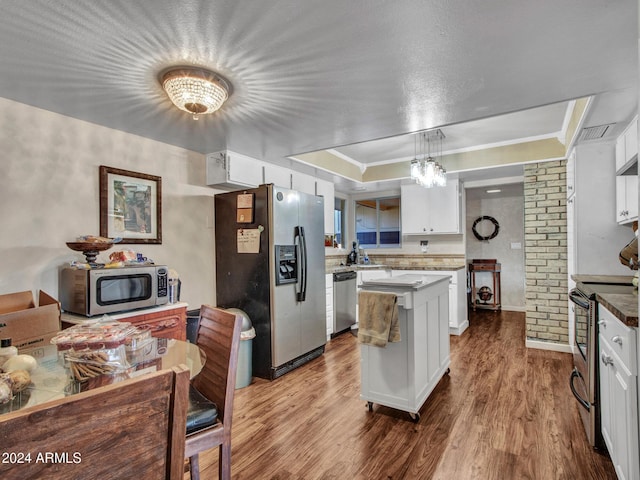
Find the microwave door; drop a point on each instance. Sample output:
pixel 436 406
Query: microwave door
pixel 123 289
pixel 109 291
pixel 136 288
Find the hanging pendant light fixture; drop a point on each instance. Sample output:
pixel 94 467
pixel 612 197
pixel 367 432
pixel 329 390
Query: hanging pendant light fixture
pixel 195 90
pixel 425 170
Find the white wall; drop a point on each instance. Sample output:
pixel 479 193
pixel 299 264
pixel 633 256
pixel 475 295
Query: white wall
pixel 49 195
pixel 508 209
pixel 598 237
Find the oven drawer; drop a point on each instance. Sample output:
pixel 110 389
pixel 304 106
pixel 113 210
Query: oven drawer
pixel 621 339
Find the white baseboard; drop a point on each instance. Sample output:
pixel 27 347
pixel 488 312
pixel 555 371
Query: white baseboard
pixel 556 347
pixel 514 308
pixel 460 329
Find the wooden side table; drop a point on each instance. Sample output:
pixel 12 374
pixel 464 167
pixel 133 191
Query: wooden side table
pixel 493 267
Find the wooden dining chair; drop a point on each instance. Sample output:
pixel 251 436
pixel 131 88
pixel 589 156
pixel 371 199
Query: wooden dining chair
pixel 130 429
pixel 219 338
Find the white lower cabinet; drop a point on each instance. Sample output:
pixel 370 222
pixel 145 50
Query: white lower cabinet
pixel 458 321
pixel 329 284
pixel 618 359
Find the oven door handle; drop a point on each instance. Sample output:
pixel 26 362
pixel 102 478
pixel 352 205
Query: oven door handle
pixel 578 299
pixel 582 401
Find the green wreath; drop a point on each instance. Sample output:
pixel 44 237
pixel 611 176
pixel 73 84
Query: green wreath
pixel 496 229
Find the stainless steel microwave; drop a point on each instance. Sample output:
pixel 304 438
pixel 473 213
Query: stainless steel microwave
pixel 110 290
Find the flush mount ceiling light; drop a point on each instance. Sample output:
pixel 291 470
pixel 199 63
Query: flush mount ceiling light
pixel 195 90
pixel 425 170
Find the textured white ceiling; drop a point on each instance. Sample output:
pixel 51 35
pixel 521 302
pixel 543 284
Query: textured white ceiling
pixel 314 74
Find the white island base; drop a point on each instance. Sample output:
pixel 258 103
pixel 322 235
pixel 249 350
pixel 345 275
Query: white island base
pixel 402 375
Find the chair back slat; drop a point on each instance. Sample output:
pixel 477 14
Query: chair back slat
pixel 219 338
pixel 123 430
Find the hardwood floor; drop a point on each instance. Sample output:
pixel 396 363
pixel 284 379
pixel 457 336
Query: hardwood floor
pixel 504 412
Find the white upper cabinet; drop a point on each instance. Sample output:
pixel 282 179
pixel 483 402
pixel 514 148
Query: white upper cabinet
pixel 627 174
pixel 327 190
pixel 626 198
pixel 279 176
pixel 430 211
pixel 230 169
pixel 303 183
pixel 627 148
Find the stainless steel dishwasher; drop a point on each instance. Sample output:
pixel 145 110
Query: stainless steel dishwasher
pixel 345 298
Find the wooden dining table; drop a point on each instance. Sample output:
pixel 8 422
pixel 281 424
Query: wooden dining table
pixel 52 379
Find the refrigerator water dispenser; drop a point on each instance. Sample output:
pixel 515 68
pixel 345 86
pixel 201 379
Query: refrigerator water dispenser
pixel 286 269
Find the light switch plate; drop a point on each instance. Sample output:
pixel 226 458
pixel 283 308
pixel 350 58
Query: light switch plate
pixel 516 245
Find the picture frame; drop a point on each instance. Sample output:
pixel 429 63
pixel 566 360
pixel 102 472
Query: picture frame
pixel 130 206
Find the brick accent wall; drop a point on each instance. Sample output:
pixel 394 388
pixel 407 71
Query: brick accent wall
pixel 545 234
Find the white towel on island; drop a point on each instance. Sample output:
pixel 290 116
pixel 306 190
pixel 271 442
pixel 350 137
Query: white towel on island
pixel 378 318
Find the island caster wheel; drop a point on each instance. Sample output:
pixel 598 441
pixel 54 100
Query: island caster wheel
pixel 448 371
pixel 370 406
pixel 415 417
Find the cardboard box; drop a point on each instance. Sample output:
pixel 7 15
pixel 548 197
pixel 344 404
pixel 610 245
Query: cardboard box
pixel 27 325
pixel 39 346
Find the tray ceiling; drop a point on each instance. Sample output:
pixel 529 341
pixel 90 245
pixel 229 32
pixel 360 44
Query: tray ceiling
pixel 325 74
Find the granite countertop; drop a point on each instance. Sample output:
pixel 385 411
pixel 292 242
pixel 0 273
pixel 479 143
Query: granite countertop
pixel 355 268
pixel 349 268
pixel 622 302
pixel 621 279
pixel 623 305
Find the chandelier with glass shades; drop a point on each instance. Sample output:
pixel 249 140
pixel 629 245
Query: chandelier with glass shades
pixel 195 90
pixel 425 170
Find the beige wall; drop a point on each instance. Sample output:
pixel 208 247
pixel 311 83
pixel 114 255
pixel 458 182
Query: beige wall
pixel 49 195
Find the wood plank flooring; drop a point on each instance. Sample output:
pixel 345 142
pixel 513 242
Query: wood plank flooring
pixel 504 412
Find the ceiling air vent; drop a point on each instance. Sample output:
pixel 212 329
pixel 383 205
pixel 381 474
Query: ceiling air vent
pixel 593 133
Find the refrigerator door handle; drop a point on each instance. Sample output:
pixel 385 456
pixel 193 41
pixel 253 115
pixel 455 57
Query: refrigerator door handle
pixel 302 294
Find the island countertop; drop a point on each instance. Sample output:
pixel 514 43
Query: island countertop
pixel 406 281
pixel 376 266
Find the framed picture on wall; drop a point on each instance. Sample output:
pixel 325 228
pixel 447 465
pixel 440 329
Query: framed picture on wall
pixel 130 206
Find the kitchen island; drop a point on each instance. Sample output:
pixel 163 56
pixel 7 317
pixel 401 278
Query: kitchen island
pixel 403 374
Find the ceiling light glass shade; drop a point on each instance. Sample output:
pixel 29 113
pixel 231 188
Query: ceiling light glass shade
pixel 195 90
pixel 427 171
pixel 416 169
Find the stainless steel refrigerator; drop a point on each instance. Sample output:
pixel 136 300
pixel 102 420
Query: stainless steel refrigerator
pixel 270 264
